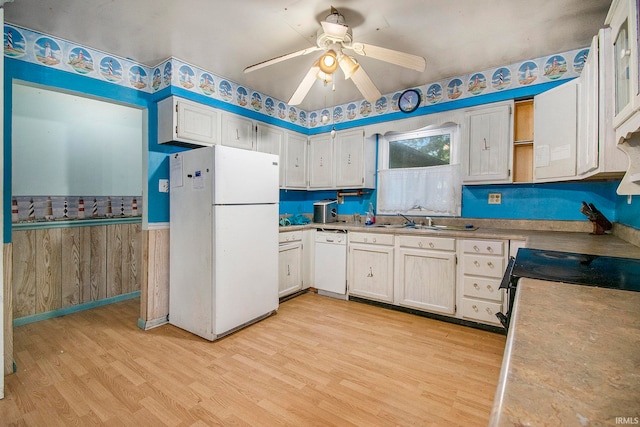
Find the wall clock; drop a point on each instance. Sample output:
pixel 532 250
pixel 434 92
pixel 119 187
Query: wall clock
pixel 409 100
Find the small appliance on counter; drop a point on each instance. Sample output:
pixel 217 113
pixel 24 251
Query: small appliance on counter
pixel 325 211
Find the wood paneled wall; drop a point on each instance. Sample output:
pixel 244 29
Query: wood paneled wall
pixel 8 310
pixel 60 267
pixel 154 296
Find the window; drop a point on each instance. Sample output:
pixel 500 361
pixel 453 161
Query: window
pixel 418 173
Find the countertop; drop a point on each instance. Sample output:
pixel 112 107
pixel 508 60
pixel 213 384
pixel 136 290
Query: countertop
pixel 566 241
pixel 572 357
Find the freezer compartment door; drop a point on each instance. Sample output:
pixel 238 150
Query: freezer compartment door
pixel 246 264
pixel 245 177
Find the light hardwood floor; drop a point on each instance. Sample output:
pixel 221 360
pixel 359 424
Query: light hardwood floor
pixel 319 361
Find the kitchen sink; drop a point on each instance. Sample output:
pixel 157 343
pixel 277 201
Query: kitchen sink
pixel 445 227
pixel 390 226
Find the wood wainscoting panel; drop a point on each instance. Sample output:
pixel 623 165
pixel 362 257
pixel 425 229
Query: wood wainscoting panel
pixel 48 269
pixel 76 254
pixel 116 234
pixel 156 294
pixel 132 259
pixel 24 273
pixel 7 263
pixel 98 265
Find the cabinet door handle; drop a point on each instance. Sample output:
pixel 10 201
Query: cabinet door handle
pixel 489 249
pixel 490 264
pixel 475 285
pixel 237 134
pixel 288 270
pixel 489 311
pixel 490 288
pixel 475 248
pixel 475 308
pixel 625 52
pixel 370 272
pixel 476 263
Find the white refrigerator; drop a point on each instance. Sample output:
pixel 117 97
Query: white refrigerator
pixel 224 239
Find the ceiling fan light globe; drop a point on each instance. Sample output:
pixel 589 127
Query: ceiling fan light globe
pixel 326 78
pixel 348 66
pixel 329 62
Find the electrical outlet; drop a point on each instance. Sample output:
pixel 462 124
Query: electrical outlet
pixel 163 185
pixel 495 198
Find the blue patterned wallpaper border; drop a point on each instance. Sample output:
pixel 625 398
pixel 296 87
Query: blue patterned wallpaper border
pixel 41 49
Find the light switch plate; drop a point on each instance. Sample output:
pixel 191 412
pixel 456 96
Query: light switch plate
pixel 163 185
pixel 495 198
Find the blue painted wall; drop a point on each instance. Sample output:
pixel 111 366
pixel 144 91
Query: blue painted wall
pixel 628 213
pixel 300 202
pixel 554 201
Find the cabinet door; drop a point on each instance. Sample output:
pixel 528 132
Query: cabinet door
pixel 295 163
pixel 370 272
pixel 588 103
pixel 487 145
pixel 237 132
pixel 270 140
pixel 555 132
pixel 427 280
pixel 289 269
pixel 350 159
pixel 321 162
pixel 196 123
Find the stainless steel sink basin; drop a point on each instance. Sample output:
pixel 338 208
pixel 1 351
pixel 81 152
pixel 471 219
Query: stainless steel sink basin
pixel 445 227
pixel 388 226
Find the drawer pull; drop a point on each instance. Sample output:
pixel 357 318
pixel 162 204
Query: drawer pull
pixel 419 244
pixel 490 264
pixel 490 288
pixel 476 248
pixel 475 285
pixel 370 272
pixel 475 308
pixel 489 249
pixel 431 245
pixel 366 239
pixel 476 263
pixel 489 312
pixel 374 240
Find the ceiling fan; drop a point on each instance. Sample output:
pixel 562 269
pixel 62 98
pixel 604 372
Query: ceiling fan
pixel 334 38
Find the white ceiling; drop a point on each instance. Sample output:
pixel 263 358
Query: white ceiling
pixel 224 36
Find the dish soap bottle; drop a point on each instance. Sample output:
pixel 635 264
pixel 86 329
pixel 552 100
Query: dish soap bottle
pixel 371 218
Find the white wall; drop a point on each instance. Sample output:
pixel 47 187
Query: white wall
pixel 64 144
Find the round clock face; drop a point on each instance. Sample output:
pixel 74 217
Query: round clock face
pixel 409 101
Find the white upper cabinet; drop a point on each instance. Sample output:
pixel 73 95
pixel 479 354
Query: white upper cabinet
pixel 486 144
pixel 180 120
pixel 350 159
pixel 270 139
pixel 237 132
pixel 555 132
pixel 295 161
pixel 623 20
pixel 321 170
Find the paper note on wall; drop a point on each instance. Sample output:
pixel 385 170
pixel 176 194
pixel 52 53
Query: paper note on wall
pixel 198 180
pixel 175 174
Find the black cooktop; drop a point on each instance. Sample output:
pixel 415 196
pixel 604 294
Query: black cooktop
pixel 581 269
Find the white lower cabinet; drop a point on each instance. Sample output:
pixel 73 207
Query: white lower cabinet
pixel 483 265
pixel 370 266
pixel 426 273
pixel 290 263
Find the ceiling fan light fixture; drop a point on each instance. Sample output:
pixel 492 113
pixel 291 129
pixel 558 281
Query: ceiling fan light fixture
pixel 328 62
pixel 324 77
pixel 348 65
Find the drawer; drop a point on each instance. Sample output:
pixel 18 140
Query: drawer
pixel 480 287
pixel 482 311
pixel 483 265
pixel 289 236
pixel 428 242
pixel 371 238
pixel 485 247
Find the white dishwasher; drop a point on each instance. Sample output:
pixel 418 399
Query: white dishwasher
pixel 331 263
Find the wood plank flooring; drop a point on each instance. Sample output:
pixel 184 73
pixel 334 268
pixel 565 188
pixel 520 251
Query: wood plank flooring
pixel 318 362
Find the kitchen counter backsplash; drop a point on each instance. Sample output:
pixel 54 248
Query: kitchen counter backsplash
pixel 62 208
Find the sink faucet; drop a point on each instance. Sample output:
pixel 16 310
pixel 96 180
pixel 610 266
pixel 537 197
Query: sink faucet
pixel 429 221
pixel 411 223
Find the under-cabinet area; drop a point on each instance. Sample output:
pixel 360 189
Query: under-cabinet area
pixel 447 276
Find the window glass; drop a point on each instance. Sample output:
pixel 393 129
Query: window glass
pixel 429 150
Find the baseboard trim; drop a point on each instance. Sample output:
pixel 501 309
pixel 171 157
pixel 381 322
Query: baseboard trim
pixel 145 325
pixel 73 309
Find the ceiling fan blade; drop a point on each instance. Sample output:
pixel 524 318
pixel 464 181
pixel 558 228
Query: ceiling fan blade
pixel 402 59
pixel 305 85
pixel 365 85
pixel 333 30
pixel 281 58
